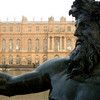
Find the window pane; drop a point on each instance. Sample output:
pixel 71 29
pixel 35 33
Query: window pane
pixel 4 29
pixel 18 44
pixel 3 60
pixel 10 59
pixel 18 60
pixel 37 45
pixel 3 44
pixel 45 46
pixel 37 60
pixel 68 28
pixel 29 60
pixel 69 43
pixel 37 28
pixel 29 44
pixel 29 29
pixel 57 43
pixel 18 29
pixel 11 29
pixel 10 44
pixel 44 58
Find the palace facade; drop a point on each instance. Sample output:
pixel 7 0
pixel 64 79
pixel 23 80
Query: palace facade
pixel 33 42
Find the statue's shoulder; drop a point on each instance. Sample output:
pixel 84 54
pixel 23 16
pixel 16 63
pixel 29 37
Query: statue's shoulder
pixel 54 65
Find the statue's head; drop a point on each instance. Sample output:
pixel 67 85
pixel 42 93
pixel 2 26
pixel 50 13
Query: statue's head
pixel 87 50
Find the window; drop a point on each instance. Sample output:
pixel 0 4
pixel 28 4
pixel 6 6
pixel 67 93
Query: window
pixel 18 29
pixel 57 28
pixel 37 28
pixel 50 43
pixel 45 29
pixel 18 60
pixel 29 29
pixel 44 58
pixel 18 44
pixel 37 45
pixel 29 62
pixel 37 60
pixel 68 28
pixel 4 29
pixel 11 29
pixel 29 44
pixel 10 59
pixel 57 43
pixel 69 43
pixel 51 29
pixel 10 44
pixel 3 44
pixel 62 29
pixel 3 60
pixel 45 46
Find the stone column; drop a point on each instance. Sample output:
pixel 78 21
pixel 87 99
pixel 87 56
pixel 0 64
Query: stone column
pixel 14 59
pixel 48 43
pixel 65 40
pixel 53 44
pixel 60 43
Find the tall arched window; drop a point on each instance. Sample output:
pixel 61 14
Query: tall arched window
pixel 3 60
pixel 57 43
pixel 50 43
pixel 37 60
pixel 45 46
pixel 69 45
pixel 37 45
pixel 18 29
pixel 10 44
pixel 44 58
pixel 29 62
pixel 69 28
pixel 29 44
pixel 11 29
pixel 18 44
pixel 29 29
pixel 3 44
pixel 10 59
pixel 4 29
pixel 18 62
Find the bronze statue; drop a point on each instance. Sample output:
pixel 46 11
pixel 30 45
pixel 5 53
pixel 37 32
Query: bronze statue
pixel 76 77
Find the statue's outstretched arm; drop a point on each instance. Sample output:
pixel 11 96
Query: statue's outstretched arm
pixel 31 82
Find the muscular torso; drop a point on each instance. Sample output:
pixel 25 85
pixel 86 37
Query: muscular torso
pixel 70 89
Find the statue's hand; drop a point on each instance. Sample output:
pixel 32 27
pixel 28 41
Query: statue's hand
pixel 3 80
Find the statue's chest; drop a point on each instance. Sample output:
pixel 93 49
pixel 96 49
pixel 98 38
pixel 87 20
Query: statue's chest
pixel 63 89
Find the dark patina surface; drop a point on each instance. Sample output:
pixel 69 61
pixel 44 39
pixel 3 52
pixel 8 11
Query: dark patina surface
pixel 76 77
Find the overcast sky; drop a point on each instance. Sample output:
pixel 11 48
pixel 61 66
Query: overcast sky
pixel 37 9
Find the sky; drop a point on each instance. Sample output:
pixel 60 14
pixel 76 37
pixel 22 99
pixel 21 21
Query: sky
pixel 34 9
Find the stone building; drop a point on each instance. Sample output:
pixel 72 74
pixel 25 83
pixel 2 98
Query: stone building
pixel 33 42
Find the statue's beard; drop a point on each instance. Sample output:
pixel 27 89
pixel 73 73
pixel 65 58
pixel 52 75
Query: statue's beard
pixel 84 56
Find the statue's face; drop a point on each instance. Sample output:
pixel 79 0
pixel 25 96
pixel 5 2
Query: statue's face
pixel 87 48
pixel 87 32
pixel 86 29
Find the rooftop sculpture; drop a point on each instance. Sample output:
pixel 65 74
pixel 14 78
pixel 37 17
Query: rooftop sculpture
pixel 76 77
